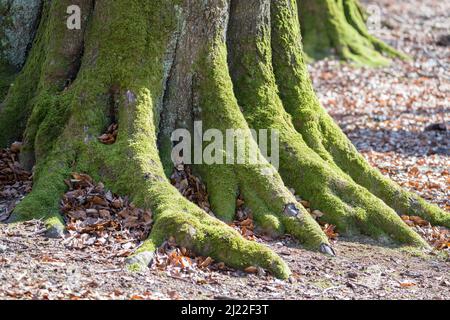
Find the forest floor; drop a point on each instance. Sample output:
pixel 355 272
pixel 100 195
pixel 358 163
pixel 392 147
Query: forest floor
pixel 397 117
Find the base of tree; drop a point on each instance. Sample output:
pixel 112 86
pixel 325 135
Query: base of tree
pixel 150 81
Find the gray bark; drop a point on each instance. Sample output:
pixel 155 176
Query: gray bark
pixel 17 25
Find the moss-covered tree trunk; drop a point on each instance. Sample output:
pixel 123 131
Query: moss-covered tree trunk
pixel 338 27
pixel 155 66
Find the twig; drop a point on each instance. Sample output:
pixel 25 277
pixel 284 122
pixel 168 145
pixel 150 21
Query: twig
pixel 109 271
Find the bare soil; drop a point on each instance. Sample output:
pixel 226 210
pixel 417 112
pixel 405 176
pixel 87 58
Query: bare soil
pixel 35 267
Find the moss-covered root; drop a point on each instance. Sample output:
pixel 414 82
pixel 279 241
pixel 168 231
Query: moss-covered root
pixel 48 188
pixel 205 80
pixel 275 208
pixel 207 236
pixel 349 206
pixel 222 188
pixel 356 18
pixel 133 166
pixel 319 130
pixel 174 215
pixel 330 26
pixel 62 59
pixel 51 65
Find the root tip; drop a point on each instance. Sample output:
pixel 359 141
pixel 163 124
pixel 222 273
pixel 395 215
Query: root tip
pixel 327 249
pixel 140 261
pixel 55 232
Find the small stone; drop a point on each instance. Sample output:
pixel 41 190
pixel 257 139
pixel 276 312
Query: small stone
pixel 443 283
pixel 352 275
pixel 3 248
pixel 291 210
pixel 325 248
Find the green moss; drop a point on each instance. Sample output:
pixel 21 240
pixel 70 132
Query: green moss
pixel 267 194
pixel 7 76
pixel 322 134
pixel 122 69
pixel 266 221
pixel 216 239
pixel 141 259
pixel 314 178
pixel 43 202
pixel 356 18
pixel 222 189
pixel 415 252
pixel 18 104
pixel 338 27
pixel 132 165
pixel 46 72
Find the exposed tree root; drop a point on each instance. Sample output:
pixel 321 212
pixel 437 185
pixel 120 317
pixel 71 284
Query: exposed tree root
pixel 330 26
pixel 154 80
pixel 321 182
pixel 322 134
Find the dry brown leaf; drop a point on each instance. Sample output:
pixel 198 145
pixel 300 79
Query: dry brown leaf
pixel 251 269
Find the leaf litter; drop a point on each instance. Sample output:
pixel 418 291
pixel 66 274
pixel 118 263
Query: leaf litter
pixel 96 217
pixel 110 136
pixel 15 182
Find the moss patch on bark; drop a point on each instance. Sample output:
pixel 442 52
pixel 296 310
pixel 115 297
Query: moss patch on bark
pixel 338 27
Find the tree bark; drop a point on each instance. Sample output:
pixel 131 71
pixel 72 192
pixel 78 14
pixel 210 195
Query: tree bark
pixel 18 21
pixel 156 66
pixel 17 28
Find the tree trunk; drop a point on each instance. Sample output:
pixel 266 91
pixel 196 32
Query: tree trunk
pixel 156 66
pixel 338 26
pixel 17 24
pixel 17 28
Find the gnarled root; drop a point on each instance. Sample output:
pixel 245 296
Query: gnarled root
pixel 339 27
pixel 315 178
pixel 322 134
